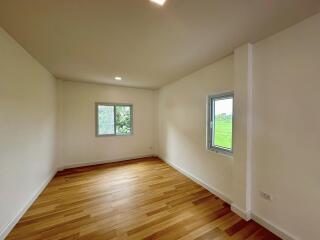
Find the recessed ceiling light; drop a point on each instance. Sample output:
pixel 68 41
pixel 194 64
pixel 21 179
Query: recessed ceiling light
pixel 159 2
pixel 118 78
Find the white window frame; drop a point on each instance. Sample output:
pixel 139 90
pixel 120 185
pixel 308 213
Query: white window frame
pixel 97 104
pixel 210 123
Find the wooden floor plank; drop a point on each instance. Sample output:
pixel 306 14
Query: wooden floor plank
pixel 131 200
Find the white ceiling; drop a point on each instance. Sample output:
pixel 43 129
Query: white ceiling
pixel 148 45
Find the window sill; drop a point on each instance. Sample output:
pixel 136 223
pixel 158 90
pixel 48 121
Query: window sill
pixel 221 152
pixel 113 135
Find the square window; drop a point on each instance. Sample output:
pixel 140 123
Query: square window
pixel 113 119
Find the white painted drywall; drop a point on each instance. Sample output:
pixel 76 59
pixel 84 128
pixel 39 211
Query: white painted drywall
pixel 27 129
pixel 182 125
pixel 284 126
pixel 285 158
pixel 241 174
pixel 79 143
pixel 286 130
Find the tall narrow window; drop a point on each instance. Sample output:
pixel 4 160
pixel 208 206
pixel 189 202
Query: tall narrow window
pixel 113 119
pixel 220 123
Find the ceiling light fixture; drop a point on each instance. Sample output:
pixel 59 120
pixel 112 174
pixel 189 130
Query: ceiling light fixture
pixel 159 2
pixel 118 78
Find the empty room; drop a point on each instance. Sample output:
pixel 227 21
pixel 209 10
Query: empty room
pixel 159 119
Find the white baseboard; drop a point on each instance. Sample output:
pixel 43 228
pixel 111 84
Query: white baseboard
pixel 243 214
pixel 272 228
pixel 68 166
pixel 6 230
pixel 246 215
pixel 200 182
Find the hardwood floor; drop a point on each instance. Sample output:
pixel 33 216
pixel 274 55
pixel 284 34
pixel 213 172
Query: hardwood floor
pixel 140 199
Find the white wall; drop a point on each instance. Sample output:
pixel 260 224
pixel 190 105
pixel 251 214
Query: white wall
pixel 241 173
pixel 182 125
pixel 79 143
pixel 283 153
pixel 27 129
pixel 172 123
pixel 286 130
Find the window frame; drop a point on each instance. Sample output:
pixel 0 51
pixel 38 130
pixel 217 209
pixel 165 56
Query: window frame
pixel 97 104
pixel 210 123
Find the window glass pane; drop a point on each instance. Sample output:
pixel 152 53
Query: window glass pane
pixel 123 120
pixel 105 120
pixel 223 111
